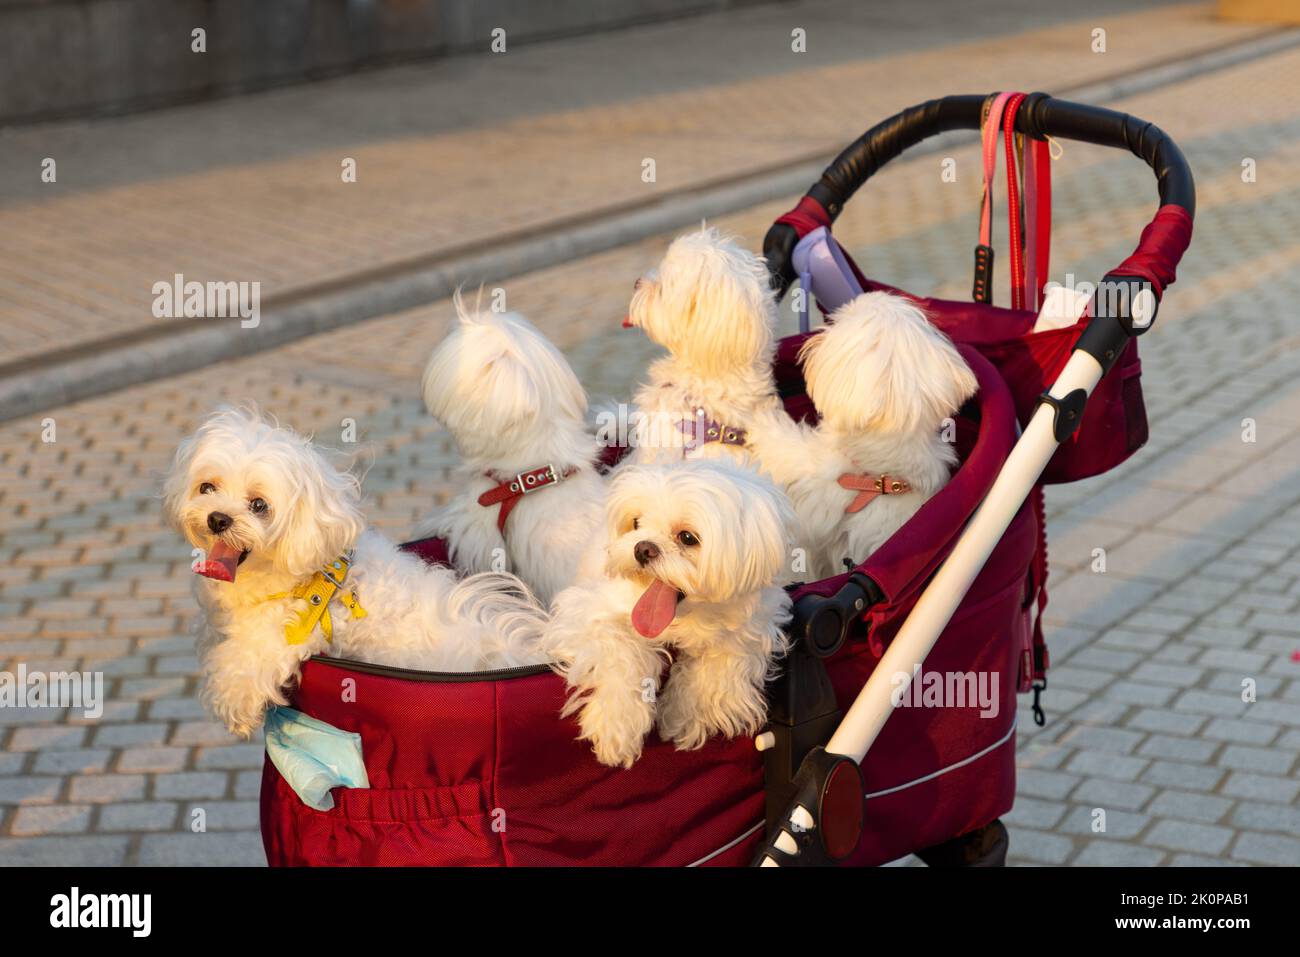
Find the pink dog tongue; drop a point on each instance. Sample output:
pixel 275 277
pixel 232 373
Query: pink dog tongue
pixel 655 610
pixel 221 563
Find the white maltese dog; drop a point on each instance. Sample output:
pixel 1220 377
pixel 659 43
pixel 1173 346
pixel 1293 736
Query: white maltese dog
pixel 709 303
pixel 694 561
pixel 289 571
pixel 529 496
pixel 883 379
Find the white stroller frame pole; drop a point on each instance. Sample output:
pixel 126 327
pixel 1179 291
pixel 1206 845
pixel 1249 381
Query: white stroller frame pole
pixel 928 618
pixel 936 606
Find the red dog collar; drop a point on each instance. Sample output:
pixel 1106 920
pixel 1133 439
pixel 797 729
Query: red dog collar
pixel 868 487
pixel 509 492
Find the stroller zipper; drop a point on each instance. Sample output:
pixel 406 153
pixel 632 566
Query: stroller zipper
pixel 410 674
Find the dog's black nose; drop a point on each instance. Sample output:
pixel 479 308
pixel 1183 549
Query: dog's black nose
pixel 645 552
pixel 219 522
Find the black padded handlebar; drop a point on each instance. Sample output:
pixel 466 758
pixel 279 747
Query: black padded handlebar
pixel 1039 115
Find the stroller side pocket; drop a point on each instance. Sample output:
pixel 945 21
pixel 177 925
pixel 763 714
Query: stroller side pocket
pixel 1114 423
pixel 379 827
pixel 1135 409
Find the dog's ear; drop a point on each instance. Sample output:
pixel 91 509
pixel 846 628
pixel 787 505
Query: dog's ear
pixel 222 422
pixel 767 525
pixel 624 498
pixel 443 372
pixel 322 518
pixel 881 365
pixel 726 307
pixel 496 372
pixel 746 527
pixel 810 359
pixel 176 483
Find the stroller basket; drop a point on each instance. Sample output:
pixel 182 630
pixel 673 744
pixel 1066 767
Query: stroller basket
pixel 480 770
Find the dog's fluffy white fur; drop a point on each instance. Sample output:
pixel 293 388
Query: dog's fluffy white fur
pixel 288 513
pixel 513 404
pixel 694 559
pixel 709 303
pixel 883 379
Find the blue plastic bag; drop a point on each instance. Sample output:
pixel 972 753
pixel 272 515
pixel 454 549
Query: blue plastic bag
pixel 314 757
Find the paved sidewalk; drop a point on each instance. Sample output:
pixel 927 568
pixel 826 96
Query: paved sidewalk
pixel 1201 531
pixel 251 190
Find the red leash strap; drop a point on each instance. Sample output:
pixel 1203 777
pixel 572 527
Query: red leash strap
pixel 1039 659
pixel 1029 211
pixel 1013 203
pixel 982 290
pixel 1038 220
pixel 509 492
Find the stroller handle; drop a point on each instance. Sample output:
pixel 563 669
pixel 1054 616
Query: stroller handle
pixel 1038 117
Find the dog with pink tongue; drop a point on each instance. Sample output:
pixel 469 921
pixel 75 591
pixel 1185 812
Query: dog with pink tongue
pixel 676 619
pixel 288 570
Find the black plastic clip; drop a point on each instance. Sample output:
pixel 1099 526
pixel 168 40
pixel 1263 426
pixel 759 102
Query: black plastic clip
pixel 1130 300
pixel 823 623
pixel 1068 412
pixel 982 291
pixel 803 711
pixel 1040 716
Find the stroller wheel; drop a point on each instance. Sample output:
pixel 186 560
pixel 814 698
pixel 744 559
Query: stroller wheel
pixel 983 847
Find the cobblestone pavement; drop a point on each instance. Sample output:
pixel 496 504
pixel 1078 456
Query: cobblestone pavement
pixel 251 190
pixel 1201 530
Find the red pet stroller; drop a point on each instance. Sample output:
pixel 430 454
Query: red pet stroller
pixel 479 769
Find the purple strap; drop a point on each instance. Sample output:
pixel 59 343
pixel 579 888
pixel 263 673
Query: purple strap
pixel 824 272
pixel 702 430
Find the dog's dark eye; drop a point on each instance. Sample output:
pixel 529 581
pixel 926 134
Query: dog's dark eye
pixel 257 506
pixel 207 487
pixel 636 524
pixel 687 538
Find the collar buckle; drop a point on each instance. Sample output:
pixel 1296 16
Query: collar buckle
pixel 342 565
pixel 526 482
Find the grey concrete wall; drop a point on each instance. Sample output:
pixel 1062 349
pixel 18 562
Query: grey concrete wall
pixel 63 58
